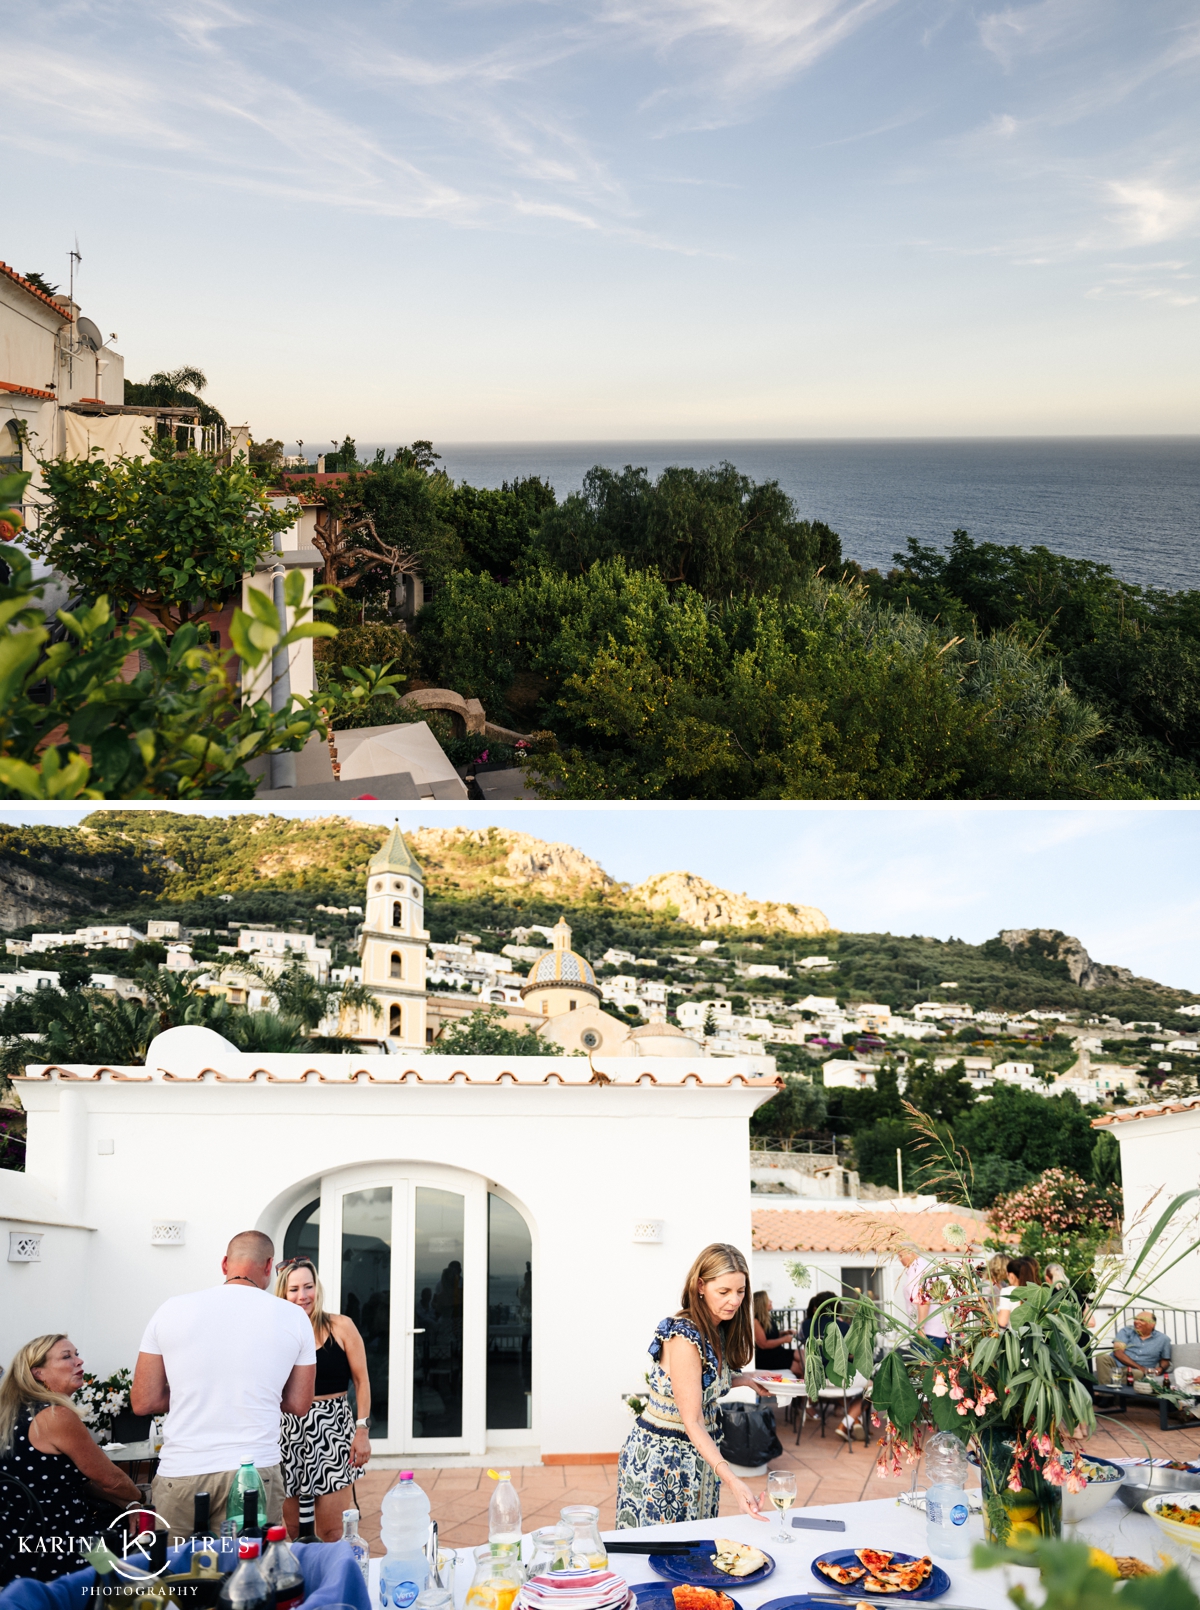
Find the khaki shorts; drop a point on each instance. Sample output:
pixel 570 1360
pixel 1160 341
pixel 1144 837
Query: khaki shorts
pixel 174 1498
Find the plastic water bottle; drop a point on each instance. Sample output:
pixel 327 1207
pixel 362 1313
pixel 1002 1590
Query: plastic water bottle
pixel 403 1529
pixel 504 1513
pixel 246 1481
pixel 946 1507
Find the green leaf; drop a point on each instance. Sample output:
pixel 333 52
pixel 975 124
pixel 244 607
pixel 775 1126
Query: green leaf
pixel 262 607
pixel 293 589
pixel 835 1351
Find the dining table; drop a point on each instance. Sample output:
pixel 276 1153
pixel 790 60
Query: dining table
pixel 883 1523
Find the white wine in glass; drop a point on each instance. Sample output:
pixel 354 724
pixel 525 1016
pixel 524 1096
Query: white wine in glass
pixel 781 1490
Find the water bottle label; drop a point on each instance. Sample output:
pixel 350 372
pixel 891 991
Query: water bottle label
pixel 959 1515
pixel 399 1594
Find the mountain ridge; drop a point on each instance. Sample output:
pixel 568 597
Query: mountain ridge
pixel 208 870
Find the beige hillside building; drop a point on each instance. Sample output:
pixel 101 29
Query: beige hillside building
pixel 393 940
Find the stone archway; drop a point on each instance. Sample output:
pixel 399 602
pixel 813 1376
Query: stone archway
pixel 466 715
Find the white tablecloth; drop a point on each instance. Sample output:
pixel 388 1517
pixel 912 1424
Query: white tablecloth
pixel 878 1523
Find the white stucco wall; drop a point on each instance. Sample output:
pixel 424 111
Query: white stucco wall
pixel 1160 1159
pixel 240 1146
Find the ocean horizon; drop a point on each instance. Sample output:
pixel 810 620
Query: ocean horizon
pixel 1130 502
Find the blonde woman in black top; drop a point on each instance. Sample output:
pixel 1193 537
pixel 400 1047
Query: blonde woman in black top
pixel 45 1446
pixel 322 1451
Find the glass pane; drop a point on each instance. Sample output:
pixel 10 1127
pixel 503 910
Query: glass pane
pixel 510 1315
pixel 302 1237
pixel 367 1286
pixel 438 1314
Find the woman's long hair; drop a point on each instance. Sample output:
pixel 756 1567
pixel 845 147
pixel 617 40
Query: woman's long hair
pixel 322 1328
pixel 20 1390
pixel 762 1310
pixel 733 1339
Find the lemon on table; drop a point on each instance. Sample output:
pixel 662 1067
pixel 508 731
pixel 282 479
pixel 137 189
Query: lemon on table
pixel 1103 1562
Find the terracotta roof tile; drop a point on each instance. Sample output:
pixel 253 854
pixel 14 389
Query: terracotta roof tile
pixel 19 279
pixel 827 1230
pixel 25 391
pixel 442 1069
pixel 1130 1115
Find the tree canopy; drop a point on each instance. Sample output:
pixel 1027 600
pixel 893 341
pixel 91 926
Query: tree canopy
pixel 723 534
pixel 173 533
pixel 653 692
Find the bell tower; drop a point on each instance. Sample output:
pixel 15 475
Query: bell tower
pixel 392 944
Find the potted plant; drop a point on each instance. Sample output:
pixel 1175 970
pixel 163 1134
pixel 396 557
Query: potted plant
pixel 1018 1395
pixel 104 1405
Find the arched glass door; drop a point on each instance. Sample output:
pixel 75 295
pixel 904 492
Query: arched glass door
pixel 436 1271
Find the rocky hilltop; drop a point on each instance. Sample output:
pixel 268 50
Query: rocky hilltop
pixel 475 859
pixel 702 905
pixel 1057 946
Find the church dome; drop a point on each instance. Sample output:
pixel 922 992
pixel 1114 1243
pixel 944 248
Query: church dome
pixel 562 967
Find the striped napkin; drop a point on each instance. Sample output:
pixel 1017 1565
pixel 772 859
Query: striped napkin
pixel 575 1590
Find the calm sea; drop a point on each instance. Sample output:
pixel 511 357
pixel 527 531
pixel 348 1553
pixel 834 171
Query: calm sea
pixel 1129 502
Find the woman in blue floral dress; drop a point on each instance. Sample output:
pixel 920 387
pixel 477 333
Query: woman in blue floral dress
pixel 670 1466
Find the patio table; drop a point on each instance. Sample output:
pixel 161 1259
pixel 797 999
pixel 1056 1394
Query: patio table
pixel 1149 1400
pixel 880 1523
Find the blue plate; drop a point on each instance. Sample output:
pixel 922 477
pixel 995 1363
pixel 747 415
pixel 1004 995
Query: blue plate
pixel 657 1596
pixel 933 1588
pixel 697 1568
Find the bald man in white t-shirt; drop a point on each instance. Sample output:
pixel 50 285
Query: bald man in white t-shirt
pixel 222 1364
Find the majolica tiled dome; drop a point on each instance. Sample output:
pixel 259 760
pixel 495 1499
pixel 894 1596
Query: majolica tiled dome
pixel 561 967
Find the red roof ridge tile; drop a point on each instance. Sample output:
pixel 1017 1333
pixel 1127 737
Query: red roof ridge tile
pixel 25 391
pixel 19 279
pixel 1131 1115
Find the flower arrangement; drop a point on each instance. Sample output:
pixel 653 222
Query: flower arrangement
pixel 99 1402
pixel 1018 1392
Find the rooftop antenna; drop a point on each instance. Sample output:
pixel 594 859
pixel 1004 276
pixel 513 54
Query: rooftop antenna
pixel 73 257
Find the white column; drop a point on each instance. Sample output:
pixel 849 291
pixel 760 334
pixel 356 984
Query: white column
pixel 72 1151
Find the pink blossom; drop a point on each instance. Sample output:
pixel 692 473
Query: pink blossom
pixel 1043 1444
pixel 939 1385
pixel 1075 1483
pixel 1014 1479
pixel 956 1392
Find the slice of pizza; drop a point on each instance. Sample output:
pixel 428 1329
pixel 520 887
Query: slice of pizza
pixel 914 1574
pixel 687 1597
pixel 843 1574
pixel 737 1559
pixel 875 1560
pixel 908 1575
pixel 878 1584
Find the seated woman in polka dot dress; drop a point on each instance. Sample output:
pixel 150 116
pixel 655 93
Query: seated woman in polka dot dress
pixel 47 1448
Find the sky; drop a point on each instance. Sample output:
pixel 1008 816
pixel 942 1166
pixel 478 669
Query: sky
pixel 1123 880
pixel 594 219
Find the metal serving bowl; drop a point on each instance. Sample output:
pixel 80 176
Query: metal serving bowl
pixel 1150 1481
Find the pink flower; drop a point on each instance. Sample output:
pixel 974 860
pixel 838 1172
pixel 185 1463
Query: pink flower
pixel 939 1385
pixel 956 1392
pixel 1014 1480
pixel 1043 1444
pixel 980 1407
pixel 965 1405
pixel 1075 1482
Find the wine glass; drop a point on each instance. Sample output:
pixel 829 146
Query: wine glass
pixel 781 1490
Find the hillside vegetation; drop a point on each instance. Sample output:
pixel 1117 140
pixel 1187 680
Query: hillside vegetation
pixel 490 881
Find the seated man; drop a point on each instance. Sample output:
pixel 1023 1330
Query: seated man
pixel 1142 1347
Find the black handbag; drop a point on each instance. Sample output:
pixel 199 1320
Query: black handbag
pixel 748 1436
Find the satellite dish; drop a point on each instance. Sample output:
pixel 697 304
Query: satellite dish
pixel 89 333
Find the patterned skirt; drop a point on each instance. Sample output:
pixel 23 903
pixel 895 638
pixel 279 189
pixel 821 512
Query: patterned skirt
pixel 661 1479
pixel 315 1449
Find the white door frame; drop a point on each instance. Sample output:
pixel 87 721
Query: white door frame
pixel 404 1180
